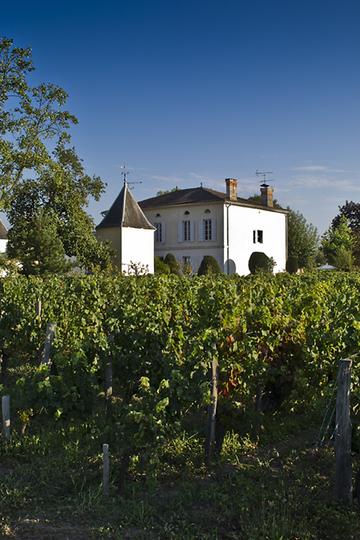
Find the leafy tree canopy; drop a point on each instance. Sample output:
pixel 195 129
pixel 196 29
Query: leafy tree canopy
pixel 40 173
pixel 302 239
pixel 351 211
pixel 164 191
pixel 338 244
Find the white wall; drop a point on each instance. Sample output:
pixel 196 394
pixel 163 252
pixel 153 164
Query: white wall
pixel 242 222
pixel 196 248
pixel 3 244
pixel 138 248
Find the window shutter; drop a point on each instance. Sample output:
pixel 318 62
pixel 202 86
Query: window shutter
pixel 163 233
pixel 201 231
pixel 192 231
pixel 213 229
pixel 180 231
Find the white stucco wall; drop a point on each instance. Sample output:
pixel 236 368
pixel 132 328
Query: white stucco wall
pixel 137 247
pixel 242 222
pixel 3 244
pixel 196 248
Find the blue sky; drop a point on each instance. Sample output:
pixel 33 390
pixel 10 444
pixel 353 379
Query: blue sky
pixel 185 92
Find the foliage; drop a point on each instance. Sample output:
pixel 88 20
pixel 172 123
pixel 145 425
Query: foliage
pixel 164 191
pixel 173 264
pixel 256 198
pixel 292 264
pixel 209 265
pixel 37 244
pixel 160 266
pixel 277 337
pixel 302 239
pixel 351 211
pixel 260 262
pixel 39 170
pixel 337 245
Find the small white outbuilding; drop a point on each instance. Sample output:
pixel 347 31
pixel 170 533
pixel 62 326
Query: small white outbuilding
pixel 130 234
pixel 3 237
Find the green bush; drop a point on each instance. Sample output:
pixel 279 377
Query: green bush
pixel 292 264
pixel 209 265
pixel 173 264
pixel 259 262
pixel 160 266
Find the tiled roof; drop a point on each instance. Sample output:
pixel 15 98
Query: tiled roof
pixel 3 231
pixel 125 212
pixel 197 195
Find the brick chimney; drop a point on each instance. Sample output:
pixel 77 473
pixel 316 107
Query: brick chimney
pixel 231 188
pixel 267 195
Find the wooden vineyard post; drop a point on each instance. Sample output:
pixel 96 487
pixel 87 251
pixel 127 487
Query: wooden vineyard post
pixel 210 442
pixel 38 308
pixel 49 337
pixel 108 379
pixel 106 469
pixel 5 405
pixel 343 475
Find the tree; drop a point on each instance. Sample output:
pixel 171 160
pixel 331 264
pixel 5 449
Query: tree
pixel 160 267
pixel 37 244
pixel 292 264
pixel 173 264
pixel 164 191
pixel 38 167
pixel 208 265
pixel 302 239
pixel 337 245
pixel 351 211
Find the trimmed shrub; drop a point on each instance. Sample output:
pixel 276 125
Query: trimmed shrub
pixel 292 264
pixel 259 262
pixel 160 267
pixel 173 264
pixel 209 265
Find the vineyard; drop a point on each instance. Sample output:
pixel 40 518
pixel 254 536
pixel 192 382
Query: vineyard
pixel 276 339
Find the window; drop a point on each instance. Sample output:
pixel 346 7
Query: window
pixel 186 260
pixel 186 231
pixel 207 224
pixel 258 237
pixel 158 232
pixel 186 213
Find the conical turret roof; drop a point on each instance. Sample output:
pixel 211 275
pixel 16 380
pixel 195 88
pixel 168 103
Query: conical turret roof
pixel 3 231
pixel 125 212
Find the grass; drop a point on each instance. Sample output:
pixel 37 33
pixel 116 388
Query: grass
pixel 259 488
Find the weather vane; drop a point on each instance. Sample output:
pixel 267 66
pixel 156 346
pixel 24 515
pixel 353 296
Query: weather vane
pixel 124 173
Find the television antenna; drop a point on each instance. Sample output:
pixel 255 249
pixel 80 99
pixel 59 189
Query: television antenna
pixel 263 175
pixel 124 173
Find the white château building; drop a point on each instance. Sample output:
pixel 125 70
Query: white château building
pixel 191 223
